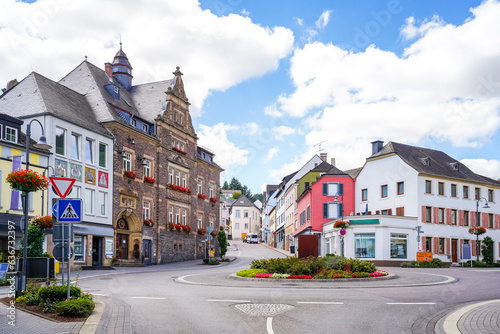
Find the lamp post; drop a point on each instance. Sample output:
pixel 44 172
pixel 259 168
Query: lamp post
pixel 486 206
pixel 42 144
pixel 341 209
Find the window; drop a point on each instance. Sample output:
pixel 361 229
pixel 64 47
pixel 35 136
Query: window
pixel 246 226
pixel 211 221
pixel 333 189
pixel 428 214
pixel 383 191
pixel 200 221
pixel 200 186
pixel 102 200
pixel 384 212
pixel 399 246
pixel 477 193
pixel 245 214
pixel 237 226
pixel 332 210
pixel 170 176
pixel 75 192
pixel 302 218
pixel 145 128
pixel 401 188
pixel 465 192
pixel 89 201
pixel 211 190
pixel 364 245
pixel 466 218
pixel 103 149
pixel 453 190
pixel 490 195
pixel 79 248
pixel 184 216
pixel 177 178
pixel 89 151
pixel 441 245
pixel 237 213
pixel 428 186
pixel 440 188
pixel 11 134
pixel 75 146
pixel 146 168
pixel 364 194
pixel 177 215
pixel 60 141
pixel 146 210
pixel 184 180
pixel 441 216
pixel 428 245
pixel 170 214
pixel 308 213
pixel 491 220
pixel 453 217
pixel 127 161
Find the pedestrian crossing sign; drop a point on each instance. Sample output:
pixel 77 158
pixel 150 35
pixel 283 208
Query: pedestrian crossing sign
pixel 69 210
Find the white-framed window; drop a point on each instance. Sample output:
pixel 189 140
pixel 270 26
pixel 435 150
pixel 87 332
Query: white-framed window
pixel 89 151
pixel 89 201
pixel 102 199
pixel 364 245
pixel 170 214
pixel 184 180
pixel 211 190
pixel 127 161
pixel 146 168
pixel 60 141
pixel 79 248
pixel 75 146
pixel 332 210
pixel 245 214
pixel 177 215
pixel 211 220
pixel 103 154
pixel 237 226
pixel 170 176
pixel 333 189
pixel 200 186
pixel 74 193
pixel 177 178
pixel 11 134
pixel 237 213
pixel 200 220
pixel 184 216
pixel 146 210
pixel 399 246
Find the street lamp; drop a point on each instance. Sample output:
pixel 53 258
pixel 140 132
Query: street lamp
pixel 486 206
pixel 42 144
pixel 341 209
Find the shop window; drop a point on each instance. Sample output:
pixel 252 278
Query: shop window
pixel 364 245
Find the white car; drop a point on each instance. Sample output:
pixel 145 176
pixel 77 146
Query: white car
pixel 253 238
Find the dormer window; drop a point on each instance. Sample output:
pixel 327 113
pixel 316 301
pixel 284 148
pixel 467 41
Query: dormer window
pixel 134 123
pixel 454 166
pixel 11 134
pixel 426 161
pixel 145 128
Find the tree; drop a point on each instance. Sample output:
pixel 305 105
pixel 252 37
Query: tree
pixel 35 241
pixel 221 237
pixel 225 186
pixel 236 196
pixel 235 184
pixel 487 249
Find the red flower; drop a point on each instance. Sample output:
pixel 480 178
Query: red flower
pixel 201 231
pixel 213 199
pixel 43 222
pixel 149 179
pixel 130 174
pixel 200 195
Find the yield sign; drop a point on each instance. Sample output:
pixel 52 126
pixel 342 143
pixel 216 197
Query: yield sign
pixel 62 185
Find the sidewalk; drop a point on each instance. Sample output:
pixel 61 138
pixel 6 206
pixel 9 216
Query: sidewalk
pixel 279 250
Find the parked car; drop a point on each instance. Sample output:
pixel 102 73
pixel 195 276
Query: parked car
pixel 253 238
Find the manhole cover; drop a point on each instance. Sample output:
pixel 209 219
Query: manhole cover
pixel 263 309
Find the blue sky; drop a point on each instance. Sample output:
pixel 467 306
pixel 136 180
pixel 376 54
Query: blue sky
pixel 270 79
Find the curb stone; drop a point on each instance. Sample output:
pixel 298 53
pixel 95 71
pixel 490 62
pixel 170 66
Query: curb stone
pixel 90 325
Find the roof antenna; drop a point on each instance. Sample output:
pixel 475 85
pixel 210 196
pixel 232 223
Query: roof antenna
pixel 319 145
pixel 120 41
pixel 85 58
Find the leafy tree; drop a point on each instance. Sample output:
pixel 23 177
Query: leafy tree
pixel 257 197
pixel 235 184
pixel 221 237
pixel 236 195
pixel 35 241
pixel 487 249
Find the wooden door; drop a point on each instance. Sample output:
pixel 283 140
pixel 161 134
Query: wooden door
pixel 454 253
pixel 122 245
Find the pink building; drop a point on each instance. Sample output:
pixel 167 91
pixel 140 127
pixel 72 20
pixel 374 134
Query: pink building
pixel 331 197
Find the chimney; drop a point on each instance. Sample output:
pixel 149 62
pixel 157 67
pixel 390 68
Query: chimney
pixel 323 156
pixel 332 162
pixel 108 68
pixel 377 146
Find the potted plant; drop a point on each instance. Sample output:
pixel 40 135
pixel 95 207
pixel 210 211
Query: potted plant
pixel 171 226
pixel 178 150
pixel 129 174
pixel 149 222
pixel 27 180
pixel 186 228
pixel 200 195
pixel 149 179
pixel 43 222
pixel 213 233
pixel 341 224
pixel 213 199
pixel 201 231
pixel 478 230
pixel 178 227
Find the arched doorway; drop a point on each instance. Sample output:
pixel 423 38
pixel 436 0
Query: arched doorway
pixel 127 236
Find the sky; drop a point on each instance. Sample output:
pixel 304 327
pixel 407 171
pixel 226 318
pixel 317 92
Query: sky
pixel 272 83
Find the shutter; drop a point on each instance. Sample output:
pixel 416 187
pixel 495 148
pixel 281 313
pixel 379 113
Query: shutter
pixel 436 215
pixel 485 219
pixel 472 216
pixel 460 217
pixel 389 212
pixel 447 246
pixel 436 245
pixel 325 209
pixel 448 216
pixel 460 255
pixel 377 212
pixel 473 247
pixel 325 188
pixel 341 189
pixel 423 214
pixel 340 210
pixel 498 221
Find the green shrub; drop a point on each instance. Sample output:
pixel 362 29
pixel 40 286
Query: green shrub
pixel 323 274
pixel 57 293
pixel 281 265
pixel 32 299
pixel 354 265
pixel 251 272
pixel 49 307
pixel 259 264
pixel 436 263
pixel 487 250
pixel 81 307
pixel 21 300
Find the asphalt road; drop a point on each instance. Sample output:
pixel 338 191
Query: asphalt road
pixel 189 297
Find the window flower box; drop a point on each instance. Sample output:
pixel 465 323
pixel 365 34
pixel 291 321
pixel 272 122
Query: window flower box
pixel 149 222
pixel 200 195
pixel 178 150
pixel 27 180
pixel 341 224
pixel 201 231
pixel 179 188
pixel 171 226
pixel 477 230
pixel 186 228
pixel 43 222
pixel 149 179
pixel 213 199
pixel 130 174
pixel 178 227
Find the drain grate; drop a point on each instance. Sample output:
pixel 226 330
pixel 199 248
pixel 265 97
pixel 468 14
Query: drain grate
pixel 263 309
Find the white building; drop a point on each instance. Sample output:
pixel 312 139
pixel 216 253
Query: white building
pixel 245 218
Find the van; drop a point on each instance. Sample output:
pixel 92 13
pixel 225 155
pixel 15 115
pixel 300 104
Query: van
pixel 253 238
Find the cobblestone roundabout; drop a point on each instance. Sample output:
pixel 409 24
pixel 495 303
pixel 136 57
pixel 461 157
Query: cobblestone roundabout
pixel 263 309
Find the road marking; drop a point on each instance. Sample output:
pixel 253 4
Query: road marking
pixel 411 303
pixel 323 303
pixel 100 294
pixel 269 325
pixel 229 300
pixel 148 297
pixel 451 321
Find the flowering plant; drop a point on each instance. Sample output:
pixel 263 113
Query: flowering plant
pixel 300 276
pixel 186 228
pixel 178 150
pixel 214 233
pixel 129 174
pixel 201 231
pixel 341 224
pixel 179 188
pixel 477 230
pixel 378 273
pixel 213 199
pixel 27 180
pixel 178 227
pixel 200 195
pixel 149 179
pixel 43 222
pixel 149 222
pixel 171 226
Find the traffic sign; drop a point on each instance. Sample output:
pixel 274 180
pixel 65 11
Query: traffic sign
pixel 210 229
pixel 57 252
pixel 69 210
pixel 62 185
pixel 209 238
pixel 57 232
pixel 342 231
pixel 424 256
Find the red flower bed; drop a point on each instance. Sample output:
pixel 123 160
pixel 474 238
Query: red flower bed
pixel 171 226
pixel 378 273
pixel 300 276
pixel 178 227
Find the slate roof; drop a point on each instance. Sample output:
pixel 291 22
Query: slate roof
pixel 245 200
pixel 323 167
pixel 37 95
pixel 353 173
pixel 433 162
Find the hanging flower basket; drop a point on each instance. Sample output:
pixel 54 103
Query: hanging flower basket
pixel 477 230
pixel 149 222
pixel 202 196
pixel 213 233
pixel 43 222
pixel 186 228
pixel 341 224
pixel 201 231
pixel 149 179
pixel 27 180
pixel 213 199
pixel 129 174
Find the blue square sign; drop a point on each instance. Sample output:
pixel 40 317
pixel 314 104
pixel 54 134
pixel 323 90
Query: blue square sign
pixel 69 210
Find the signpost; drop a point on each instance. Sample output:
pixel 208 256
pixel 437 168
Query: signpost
pixel 424 256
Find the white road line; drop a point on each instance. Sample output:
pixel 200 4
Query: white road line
pixel 229 300
pixel 148 297
pixel 100 294
pixel 269 325
pixel 323 303
pixel 411 303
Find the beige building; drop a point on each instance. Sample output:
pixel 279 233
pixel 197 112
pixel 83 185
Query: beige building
pixel 245 218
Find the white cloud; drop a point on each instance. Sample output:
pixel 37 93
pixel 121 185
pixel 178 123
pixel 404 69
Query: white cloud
pixel 300 22
pixel 281 131
pixel 250 128
pixel 489 168
pixel 445 86
pixel 159 36
pixel 410 31
pixel 227 154
pixel 271 153
pixel 245 12
pixel 272 110
pixel 323 19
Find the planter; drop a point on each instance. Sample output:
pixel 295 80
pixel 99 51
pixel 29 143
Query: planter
pixel 148 179
pixel 179 150
pixel 202 196
pixel 341 224
pixel 149 222
pixel 477 230
pixel 179 188
pixel 201 231
pixel 129 174
pixel 186 228
pixel 27 180
pixel 213 200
